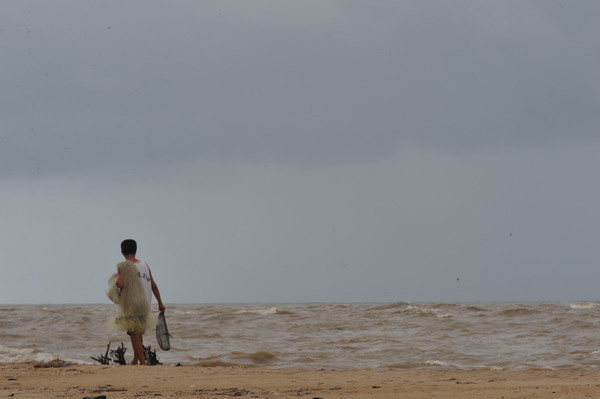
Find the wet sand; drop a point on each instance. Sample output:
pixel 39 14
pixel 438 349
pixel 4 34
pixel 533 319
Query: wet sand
pixel 76 381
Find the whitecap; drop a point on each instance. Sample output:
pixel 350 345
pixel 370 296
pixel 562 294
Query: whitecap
pixel 15 351
pixel 182 312
pixel 413 309
pixel 588 305
pixel 436 363
pixel 26 355
pixel 271 310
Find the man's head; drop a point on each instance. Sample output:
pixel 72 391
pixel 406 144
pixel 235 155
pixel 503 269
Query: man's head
pixel 128 247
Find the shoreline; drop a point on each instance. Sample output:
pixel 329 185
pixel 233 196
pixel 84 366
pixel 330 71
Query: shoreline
pixel 72 381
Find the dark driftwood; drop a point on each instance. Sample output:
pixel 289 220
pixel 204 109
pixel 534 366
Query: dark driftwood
pixel 103 359
pixel 118 356
pixel 150 356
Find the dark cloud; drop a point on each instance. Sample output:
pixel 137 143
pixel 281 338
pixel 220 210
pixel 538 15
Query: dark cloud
pixel 311 83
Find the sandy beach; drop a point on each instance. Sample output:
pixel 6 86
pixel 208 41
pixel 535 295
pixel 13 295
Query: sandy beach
pixel 79 381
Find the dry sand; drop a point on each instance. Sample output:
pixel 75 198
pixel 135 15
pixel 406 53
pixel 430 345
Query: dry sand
pixel 75 381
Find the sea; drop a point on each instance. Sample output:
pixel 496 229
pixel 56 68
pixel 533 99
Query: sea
pixel 496 336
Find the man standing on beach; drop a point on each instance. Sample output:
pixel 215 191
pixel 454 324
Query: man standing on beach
pixel 137 285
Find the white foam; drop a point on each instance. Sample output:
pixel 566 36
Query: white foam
pixel 271 310
pixel 25 355
pixel 210 356
pixel 15 351
pixel 428 312
pixel 589 305
pixel 182 312
pixel 436 363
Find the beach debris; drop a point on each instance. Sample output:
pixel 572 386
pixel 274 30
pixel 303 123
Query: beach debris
pixel 233 392
pixel 95 397
pixel 147 393
pixel 108 388
pixel 150 356
pixel 103 359
pixel 238 392
pixel 56 363
pixel 118 355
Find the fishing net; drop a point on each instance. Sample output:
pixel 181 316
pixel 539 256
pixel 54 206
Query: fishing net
pixel 162 333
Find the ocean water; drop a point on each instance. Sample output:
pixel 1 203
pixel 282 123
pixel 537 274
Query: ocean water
pixel 315 336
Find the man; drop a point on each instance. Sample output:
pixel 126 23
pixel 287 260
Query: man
pixel 137 285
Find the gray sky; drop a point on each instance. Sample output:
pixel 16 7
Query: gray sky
pixel 301 151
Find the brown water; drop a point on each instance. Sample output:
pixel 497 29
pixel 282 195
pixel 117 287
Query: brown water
pixel 339 336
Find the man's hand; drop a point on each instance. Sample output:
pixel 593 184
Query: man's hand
pixel 161 308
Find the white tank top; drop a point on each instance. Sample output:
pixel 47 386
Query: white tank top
pixel 144 274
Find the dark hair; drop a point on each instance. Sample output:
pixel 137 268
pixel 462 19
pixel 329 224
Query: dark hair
pixel 128 247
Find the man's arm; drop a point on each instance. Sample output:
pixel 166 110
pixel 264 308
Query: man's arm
pixel 156 293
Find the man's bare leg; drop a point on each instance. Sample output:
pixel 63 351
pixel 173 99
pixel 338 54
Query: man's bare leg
pixel 138 349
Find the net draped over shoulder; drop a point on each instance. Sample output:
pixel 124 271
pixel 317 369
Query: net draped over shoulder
pixel 133 312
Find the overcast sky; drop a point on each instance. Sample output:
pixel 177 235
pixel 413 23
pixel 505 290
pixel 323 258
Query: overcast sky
pixel 301 151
